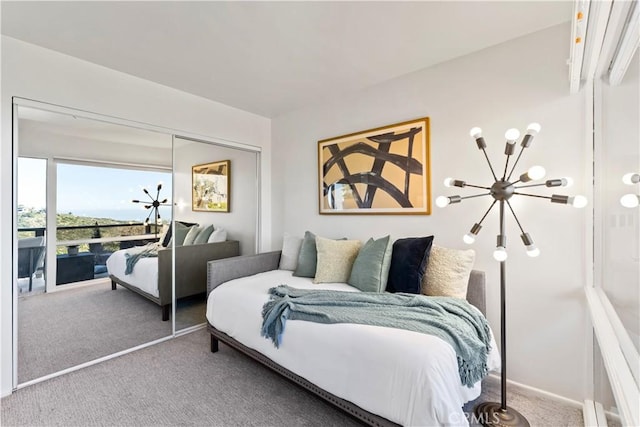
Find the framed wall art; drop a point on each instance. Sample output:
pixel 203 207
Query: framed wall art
pixel 210 186
pixel 379 171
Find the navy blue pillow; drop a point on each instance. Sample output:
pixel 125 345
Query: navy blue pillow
pixel 409 261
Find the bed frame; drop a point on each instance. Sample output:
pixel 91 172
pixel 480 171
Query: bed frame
pixel 192 278
pixel 221 271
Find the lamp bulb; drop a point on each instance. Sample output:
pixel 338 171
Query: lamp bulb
pixel 442 201
pixel 533 251
pixel 630 200
pixel 469 238
pixel 567 181
pixel 511 135
pixel 578 201
pixel 448 182
pixel 536 172
pixel 500 254
pixel 533 128
pixel 475 132
pixel 631 178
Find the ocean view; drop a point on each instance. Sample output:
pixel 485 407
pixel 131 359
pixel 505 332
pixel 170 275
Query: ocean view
pixel 134 215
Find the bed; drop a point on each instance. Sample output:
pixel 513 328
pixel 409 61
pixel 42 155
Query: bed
pixel 382 376
pixel 151 277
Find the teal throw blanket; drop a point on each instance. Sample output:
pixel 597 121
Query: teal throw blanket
pixel 451 319
pixel 132 256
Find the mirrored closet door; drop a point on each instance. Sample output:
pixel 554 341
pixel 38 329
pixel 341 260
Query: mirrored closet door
pixel 76 180
pixel 216 216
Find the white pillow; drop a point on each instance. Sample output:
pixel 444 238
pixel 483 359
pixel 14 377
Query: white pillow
pixel 290 252
pixel 218 235
pixel 448 272
pixel 335 259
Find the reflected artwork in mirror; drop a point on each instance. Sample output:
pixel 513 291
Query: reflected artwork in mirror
pixel 213 232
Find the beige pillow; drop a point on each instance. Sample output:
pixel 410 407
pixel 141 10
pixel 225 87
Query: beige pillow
pixel 448 272
pixel 335 259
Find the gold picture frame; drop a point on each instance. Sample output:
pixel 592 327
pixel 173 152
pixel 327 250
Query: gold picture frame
pixel 380 171
pixel 210 187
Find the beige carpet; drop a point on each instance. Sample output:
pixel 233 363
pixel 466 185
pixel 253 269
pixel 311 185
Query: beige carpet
pixel 179 382
pixel 62 329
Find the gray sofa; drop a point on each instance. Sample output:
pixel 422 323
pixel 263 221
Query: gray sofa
pixel 191 266
pixel 223 270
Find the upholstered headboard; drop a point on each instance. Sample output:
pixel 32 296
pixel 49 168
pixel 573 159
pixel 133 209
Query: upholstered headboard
pixel 476 292
pixel 223 270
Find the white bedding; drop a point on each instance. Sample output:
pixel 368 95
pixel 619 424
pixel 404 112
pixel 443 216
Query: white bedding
pixel 407 377
pixel 144 275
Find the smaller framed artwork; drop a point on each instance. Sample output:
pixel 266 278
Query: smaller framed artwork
pixel 378 171
pixel 210 186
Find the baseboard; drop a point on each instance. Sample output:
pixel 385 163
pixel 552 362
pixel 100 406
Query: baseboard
pixel 541 392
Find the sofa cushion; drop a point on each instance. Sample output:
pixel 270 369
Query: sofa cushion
pixel 192 235
pixel 290 252
pixel 448 272
pixel 167 236
pixel 180 233
pixel 408 263
pixel 371 268
pixel 307 259
pixel 203 235
pixel 335 259
pixel 218 235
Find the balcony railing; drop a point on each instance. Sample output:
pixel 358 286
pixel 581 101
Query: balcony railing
pixel 82 250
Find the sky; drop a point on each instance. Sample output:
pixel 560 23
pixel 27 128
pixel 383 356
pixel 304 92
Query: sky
pixel 93 191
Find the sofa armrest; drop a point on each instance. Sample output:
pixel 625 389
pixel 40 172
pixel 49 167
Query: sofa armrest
pixel 223 270
pixel 476 291
pixel 191 267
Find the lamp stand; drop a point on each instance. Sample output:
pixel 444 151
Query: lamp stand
pixel 493 413
pixel 503 189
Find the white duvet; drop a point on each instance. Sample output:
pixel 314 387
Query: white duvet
pixel 407 377
pixel 144 275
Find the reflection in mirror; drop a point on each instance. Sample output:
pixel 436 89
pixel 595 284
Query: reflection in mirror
pixel 620 154
pixel 76 179
pixel 216 213
pixel 619 257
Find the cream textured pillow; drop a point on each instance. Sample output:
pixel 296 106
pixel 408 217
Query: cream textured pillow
pixel 448 272
pixel 335 259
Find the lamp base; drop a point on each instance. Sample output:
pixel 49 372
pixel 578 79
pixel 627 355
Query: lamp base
pixel 491 414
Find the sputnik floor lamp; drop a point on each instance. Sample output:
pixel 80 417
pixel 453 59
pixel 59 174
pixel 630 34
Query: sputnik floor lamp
pixel 502 190
pixel 154 207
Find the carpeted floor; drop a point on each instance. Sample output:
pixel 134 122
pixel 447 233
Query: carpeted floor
pixel 179 382
pixel 63 329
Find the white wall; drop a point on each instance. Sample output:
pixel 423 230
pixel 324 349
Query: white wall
pixel 240 221
pixel 505 86
pixel 32 72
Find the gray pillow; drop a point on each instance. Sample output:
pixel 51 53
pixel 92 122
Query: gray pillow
pixel 180 233
pixel 308 257
pixel 290 252
pixel 371 268
pixel 203 235
pixel 191 235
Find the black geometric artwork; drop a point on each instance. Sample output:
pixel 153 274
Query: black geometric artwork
pixel 355 167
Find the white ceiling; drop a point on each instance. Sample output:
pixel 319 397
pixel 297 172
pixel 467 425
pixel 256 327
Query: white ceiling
pixel 272 57
pixel 32 119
